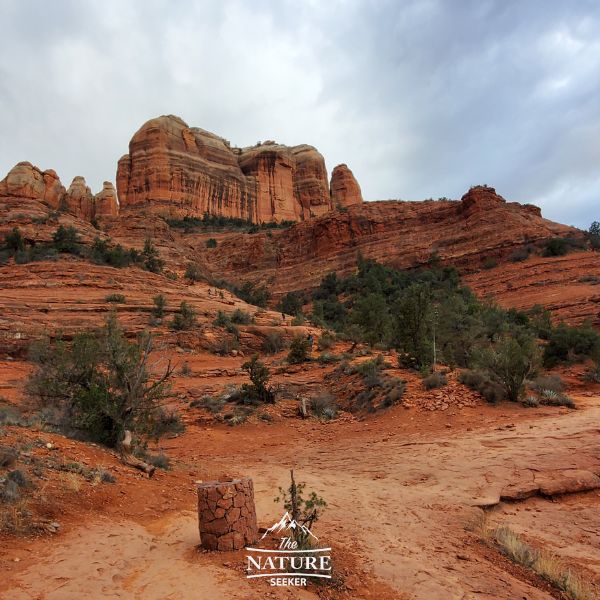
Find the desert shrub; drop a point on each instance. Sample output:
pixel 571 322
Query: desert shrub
pixel 160 303
pixel 104 253
pixel 594 235
pixel 160 460
pixel 193 272
pixel 395 392
pixel 298 320
pixel 221 320
pixel 327 358
pixel 561 246
pixel 548 382
pixel 292 303
pixel 326 341
pixel 489 263
pixel 323 406
pixel 519 255
pixel 166 422
pixel 184 318
pixel 570 344
pixel 241 317
pixel 552 398
pixel 14 240
pixel 238 416
pixel 185 370
pixel 510 362
pixel 213 404
pixel 273 343
pixel 299 350
pixel 211 243
pixel 115 298
pixel 258 391
pixel 531 402
pixel 150 258
pixel 101 384
pixel 226 345
pixel 435 380
pixel 479 382
pixel 303 510
pixel 66 239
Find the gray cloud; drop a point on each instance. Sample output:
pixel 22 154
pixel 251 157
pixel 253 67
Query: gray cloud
pixel 421 99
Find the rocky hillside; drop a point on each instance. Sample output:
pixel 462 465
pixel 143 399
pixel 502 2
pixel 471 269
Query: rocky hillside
pixel 482 225
pixel 176 170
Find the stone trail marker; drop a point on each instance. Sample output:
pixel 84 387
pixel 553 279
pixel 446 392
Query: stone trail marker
pixel 226 514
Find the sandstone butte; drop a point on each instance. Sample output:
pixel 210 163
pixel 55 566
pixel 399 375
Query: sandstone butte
pixel 176 170
pixel 25 181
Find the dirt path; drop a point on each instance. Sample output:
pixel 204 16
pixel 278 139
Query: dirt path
pixel 398 501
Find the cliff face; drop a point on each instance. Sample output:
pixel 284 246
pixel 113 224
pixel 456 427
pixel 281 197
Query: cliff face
pixel 402 234
pixel 177 170
pixel 28 182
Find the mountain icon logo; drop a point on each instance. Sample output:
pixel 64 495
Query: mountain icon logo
pixel 286 523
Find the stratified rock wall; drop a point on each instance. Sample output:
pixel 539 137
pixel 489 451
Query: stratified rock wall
pixel 178 170
pixel 28 182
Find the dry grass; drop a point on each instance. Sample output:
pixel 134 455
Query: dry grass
pixel 71 481
pixel 15 518
pixel 545 564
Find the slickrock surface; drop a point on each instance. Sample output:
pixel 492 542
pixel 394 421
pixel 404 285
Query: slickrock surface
pixel 179 170
pixel 568 286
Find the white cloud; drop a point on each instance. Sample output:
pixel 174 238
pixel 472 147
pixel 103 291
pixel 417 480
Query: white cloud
pixel 419 98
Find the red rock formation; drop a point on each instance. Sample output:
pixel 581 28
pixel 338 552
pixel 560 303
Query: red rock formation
pixel 177 170
pixel 105 201
pixel 79 199
pixel 345 190
pixel 27 181
pixel 402 234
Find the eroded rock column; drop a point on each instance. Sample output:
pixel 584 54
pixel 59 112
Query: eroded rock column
pixel 226 513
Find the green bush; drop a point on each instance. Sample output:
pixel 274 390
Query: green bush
pixel 273 343
pixel 160 303
pixel 479 382
pixel 292 303
pixel 570 344
pixel 211 243
pixel 510 362
pixel 240 317
pixel 14 240
pixel 258 391
pixel 326 341
pixel 115 298
pixel 299 350
pixel 101 384
pixel 193 272
pixel 66 239
pixel 150 257
pixel 184 318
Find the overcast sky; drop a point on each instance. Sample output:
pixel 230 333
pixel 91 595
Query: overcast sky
pixel 420 98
